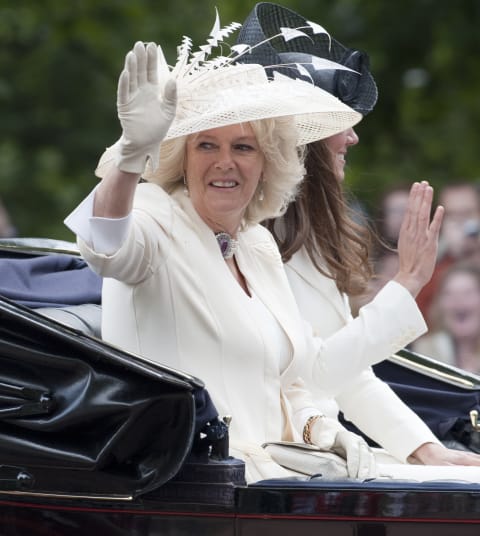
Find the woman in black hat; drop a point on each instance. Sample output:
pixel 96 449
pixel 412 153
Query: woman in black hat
pixel 326 251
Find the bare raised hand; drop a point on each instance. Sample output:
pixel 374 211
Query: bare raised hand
pixel 418 239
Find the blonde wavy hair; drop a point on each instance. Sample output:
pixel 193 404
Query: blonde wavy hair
pixel 283 170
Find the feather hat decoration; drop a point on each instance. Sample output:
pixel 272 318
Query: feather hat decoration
pixel 192 64
pixel 189 63
pixel 218 90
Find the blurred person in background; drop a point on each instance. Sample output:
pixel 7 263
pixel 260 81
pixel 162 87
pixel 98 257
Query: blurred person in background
pixel 455 319
pixel 459 235
pixel 326 251
pixel 392 209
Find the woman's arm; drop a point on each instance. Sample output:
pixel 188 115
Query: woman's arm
pixel 435 454
pixel 378 412
pixel 114 195
pixel 328 434
pixel 102 224
pixel 392 319
pixel 145 118
pixel 383 327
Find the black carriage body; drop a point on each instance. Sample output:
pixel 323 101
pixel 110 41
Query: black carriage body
pixel 280 508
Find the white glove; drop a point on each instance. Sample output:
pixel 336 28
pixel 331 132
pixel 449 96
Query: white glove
pixel 328 434
pixel 144 115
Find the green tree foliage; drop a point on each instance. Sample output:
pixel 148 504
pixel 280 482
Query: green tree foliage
pixel 59 64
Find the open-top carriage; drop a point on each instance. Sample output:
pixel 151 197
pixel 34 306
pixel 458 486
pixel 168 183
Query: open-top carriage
pixel 96 440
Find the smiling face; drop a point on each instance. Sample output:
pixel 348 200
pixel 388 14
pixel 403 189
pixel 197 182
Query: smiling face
pixel 459 233
pixel 459 304
pixel 338 145
pixel 223 167
pixel 393 207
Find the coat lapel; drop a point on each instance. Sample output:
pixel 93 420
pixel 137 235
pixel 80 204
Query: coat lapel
pixel 259 260
pixel 303 266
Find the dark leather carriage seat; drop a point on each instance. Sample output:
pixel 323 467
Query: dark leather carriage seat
pixel 59 286
pixel 86 317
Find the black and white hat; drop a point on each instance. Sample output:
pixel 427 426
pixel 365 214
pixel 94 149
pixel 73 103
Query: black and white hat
pixel 278 36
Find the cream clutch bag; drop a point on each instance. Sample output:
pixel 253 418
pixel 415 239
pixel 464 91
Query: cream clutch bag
pixel 307 459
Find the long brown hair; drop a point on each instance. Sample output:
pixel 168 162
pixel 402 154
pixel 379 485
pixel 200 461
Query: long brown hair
pixel 321 220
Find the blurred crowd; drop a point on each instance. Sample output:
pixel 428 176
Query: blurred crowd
pixel 451 301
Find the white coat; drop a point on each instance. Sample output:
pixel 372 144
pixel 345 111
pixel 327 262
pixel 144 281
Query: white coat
pixel 391 319
pixel 169 296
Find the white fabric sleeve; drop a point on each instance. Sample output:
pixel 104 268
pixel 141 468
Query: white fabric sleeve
pixel 384 326
pixel 374 408
pixel 302 405
pixel 103 235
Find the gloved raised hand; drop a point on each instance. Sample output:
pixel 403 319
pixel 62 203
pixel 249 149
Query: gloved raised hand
pixel 328 434
pixel 146 108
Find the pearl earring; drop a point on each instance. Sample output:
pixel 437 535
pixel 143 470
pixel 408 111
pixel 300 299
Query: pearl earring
pixel 185 187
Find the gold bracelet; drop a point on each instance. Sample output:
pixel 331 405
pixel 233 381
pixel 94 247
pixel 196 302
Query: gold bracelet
pixel 307 429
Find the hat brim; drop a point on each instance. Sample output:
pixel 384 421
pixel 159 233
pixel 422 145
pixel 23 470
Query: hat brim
pixel 317 114
pixel 243 93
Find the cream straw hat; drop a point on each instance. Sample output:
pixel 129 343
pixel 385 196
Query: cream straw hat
pixel 240 93
pixel 215 91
